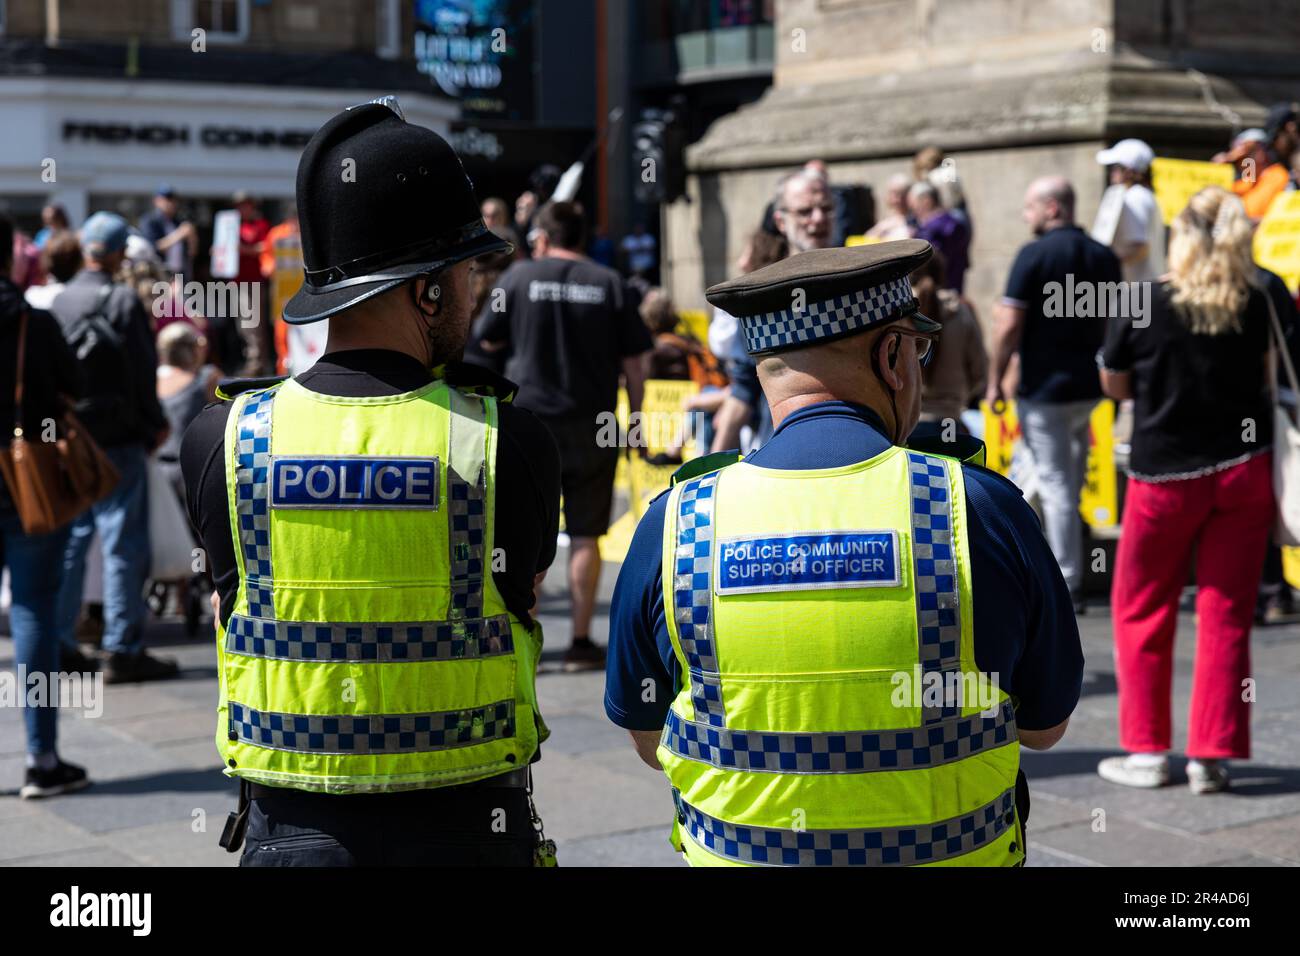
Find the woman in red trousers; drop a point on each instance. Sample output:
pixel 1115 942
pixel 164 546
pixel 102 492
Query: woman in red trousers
pixel 1199 496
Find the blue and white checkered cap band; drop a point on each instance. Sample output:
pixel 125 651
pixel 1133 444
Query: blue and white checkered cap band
pixel 829 319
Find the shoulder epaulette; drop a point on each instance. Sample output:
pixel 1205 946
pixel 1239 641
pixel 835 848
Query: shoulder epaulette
pixel 228 388
pixel 469 377
pixel 703 465
pixel 966 449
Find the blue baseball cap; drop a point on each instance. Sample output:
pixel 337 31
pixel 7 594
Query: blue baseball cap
pixel 104 232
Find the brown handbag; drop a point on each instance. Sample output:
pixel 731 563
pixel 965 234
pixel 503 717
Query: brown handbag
pixel 51 482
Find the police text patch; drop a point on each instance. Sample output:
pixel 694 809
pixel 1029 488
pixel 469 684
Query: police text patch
pixel 354 481
pixel 812 560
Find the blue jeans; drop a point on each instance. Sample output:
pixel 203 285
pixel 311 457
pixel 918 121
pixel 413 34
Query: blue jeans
pixel 35 563
pixel 122 520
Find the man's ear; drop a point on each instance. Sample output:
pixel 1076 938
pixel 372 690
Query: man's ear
pixel 425 301
pixel 887 349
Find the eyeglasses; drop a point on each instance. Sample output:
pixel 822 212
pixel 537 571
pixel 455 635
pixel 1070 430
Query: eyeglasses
pixel 924 345
pixel 807 211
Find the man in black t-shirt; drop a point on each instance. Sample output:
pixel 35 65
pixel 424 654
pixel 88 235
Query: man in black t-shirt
pixel 1046 316
pixel 572 328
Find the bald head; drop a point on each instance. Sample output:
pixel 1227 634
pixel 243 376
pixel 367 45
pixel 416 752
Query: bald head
pixel 845 369
pixel 1049 203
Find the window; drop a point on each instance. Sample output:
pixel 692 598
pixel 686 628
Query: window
pixel 388 29
pixel 224 21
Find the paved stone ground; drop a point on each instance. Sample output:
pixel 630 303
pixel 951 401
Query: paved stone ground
pixel 159 797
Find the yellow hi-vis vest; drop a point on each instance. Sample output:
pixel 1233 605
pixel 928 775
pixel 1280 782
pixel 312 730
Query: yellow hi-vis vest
pixel 810 611
pixel 369 649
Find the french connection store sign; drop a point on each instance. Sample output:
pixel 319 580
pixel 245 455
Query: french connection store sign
pixel 825 559
pixel 354 481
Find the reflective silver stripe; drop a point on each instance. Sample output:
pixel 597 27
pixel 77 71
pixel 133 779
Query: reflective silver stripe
pixel 844 752
pixel 252 499
pixel 693 596
pixel 934 561
pixel 467 503
pixel 887 846
pixel 384 642
pixel 372 733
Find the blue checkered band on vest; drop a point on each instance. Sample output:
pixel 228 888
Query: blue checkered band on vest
pixel 910 748
pixel 377 643
pixel 886 846
pixel 821 320
pixel 252 503
pixel 934 562
pixel 693 596
pixel 372 733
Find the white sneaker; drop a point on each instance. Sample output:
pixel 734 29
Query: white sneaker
pixel 1207 776
pixel 1136 770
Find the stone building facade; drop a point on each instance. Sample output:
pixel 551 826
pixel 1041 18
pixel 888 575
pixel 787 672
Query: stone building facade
pixel 1010 89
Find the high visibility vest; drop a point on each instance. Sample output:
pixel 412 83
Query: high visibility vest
pixel 369 648
pixel 818 617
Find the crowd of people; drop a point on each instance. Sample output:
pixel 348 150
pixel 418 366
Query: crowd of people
pixel 555 318
pixel 113 335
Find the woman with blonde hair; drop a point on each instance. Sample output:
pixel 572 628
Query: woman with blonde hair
pixel 1196 366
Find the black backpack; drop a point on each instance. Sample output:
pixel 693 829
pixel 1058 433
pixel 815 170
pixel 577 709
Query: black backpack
pixel 102 357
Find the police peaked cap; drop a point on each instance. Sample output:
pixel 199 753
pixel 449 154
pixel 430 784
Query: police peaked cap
pixel 826 294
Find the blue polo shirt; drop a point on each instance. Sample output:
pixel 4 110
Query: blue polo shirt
pixel 1025 630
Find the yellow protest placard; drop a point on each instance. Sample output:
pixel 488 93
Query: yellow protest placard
pixel 1291 566
pixel 696 322
pixel 1175 181
pixel 1099 500
pixel 1001 432
pixel 1277 240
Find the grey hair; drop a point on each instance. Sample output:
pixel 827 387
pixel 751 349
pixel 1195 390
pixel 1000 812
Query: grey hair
pixel 778 197
pixel 926 189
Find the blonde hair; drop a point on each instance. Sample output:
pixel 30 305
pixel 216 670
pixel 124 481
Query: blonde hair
pixel 1210 262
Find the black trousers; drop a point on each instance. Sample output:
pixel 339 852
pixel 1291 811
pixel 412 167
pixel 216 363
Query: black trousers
pixel 456 826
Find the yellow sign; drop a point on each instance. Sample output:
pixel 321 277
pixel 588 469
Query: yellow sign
pixel 696 322
pixel 1099 501
pixel 1175 181
pixel 1001 432
pixel 664 427
pixel 1277 240
pixel 860 240
pixel 1291 566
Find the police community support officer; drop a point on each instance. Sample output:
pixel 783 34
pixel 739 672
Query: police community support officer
pixel 773 650
pixel 356 520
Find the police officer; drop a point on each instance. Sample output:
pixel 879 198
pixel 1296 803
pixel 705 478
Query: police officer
pixel 836 647
pixel 375 527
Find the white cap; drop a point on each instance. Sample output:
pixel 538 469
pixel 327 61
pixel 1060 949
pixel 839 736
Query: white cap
pixel 1129 153
pixel 1252 135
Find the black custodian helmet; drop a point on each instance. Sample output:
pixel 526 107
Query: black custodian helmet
pixel 380 201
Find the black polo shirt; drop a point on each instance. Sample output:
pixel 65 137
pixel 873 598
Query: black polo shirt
pixel 1058 352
